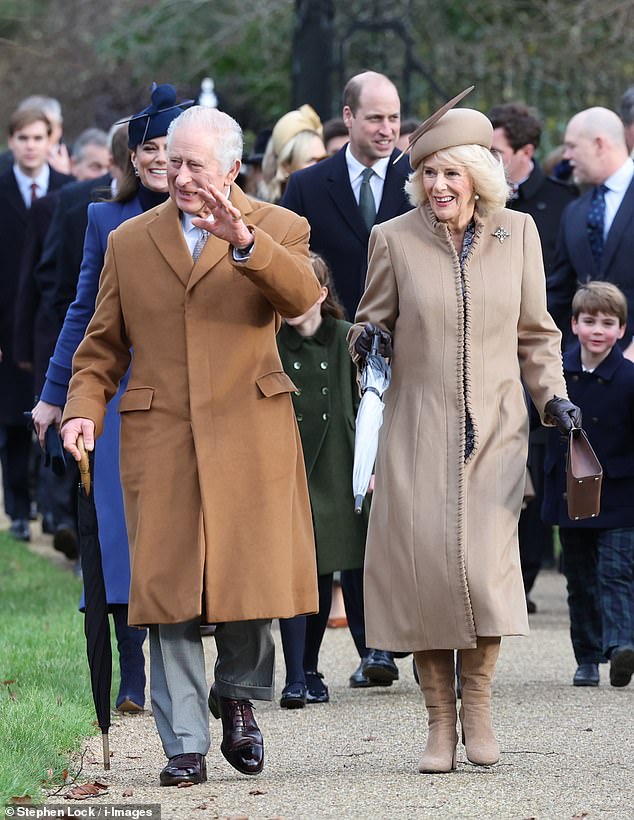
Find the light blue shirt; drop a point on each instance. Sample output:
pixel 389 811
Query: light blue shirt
pixel 25 182
pixel 377 181
pixel 617 185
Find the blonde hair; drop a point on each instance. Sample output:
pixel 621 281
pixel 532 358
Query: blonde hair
pixel 293 156
pixel 600 297
pixel 486 172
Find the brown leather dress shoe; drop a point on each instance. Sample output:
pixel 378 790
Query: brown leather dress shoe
pixel 242 743
pixel 185 768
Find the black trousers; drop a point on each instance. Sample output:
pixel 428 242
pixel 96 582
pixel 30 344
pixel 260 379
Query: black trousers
pixel 15 452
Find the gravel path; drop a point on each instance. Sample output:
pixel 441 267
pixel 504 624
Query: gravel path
pixel 566 752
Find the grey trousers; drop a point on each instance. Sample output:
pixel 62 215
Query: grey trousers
pixel 245 668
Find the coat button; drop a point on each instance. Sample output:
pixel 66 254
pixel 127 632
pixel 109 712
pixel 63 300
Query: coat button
pixel 324 416
pixel 298 392
pixel 600 380
pixel 323 365
pixel 297 365
pixel 575 377
pixel 595 419
pixel 300 417
pixel 324 391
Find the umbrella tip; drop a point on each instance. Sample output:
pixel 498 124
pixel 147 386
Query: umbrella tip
pixel 106 751
pixel 358 504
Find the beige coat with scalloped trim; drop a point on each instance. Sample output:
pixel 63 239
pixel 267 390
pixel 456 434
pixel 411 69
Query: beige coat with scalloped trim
pixel 442 561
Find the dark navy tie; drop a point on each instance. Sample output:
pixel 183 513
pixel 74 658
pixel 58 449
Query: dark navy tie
pixel 596 222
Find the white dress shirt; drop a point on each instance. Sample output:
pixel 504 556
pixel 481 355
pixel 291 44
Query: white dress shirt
pixel 25 182
pixel 377 181
pixel 617 185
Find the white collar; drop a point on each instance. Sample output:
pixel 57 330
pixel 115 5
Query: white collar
pixel 621 178
pixel 356 168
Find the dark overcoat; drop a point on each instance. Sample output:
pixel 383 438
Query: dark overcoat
pixel 606 399
pixel 323 194
pixel 325 402
pixel 16 385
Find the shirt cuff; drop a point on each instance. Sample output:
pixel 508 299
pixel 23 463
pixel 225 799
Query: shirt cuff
pixel 243 254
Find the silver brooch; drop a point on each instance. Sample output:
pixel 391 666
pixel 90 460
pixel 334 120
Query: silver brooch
pixel 501 234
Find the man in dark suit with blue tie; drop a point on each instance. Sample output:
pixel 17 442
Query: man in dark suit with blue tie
pixel 342 198
pixel 596 239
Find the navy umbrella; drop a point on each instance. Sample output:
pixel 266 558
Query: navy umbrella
pixel 96 622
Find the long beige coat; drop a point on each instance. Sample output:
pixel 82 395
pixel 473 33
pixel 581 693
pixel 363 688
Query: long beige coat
pixel 442 560
pixel 212 470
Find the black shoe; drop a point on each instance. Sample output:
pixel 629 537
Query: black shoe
pixel 531 606
pixel 316 689
pixel 293 696
pixel 587 674
pixel 48 523
pixel 379 668
pixel 65 541
pixel 357 679
pixel 20 529
pixel 242 744
pixel 186 768
pixel 622 665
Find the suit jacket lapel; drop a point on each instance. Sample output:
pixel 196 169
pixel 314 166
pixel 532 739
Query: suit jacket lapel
pixel 580 252
pixel 340 191
pixel 622 222
pixel 216 249
pixel 393 192
pixel 167 234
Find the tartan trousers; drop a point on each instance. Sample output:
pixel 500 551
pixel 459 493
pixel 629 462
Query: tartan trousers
pixel 599 569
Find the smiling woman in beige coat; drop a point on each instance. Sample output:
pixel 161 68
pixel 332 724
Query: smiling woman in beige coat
pixel 457 288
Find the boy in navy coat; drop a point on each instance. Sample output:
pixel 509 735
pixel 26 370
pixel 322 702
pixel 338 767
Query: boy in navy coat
pixel 598 553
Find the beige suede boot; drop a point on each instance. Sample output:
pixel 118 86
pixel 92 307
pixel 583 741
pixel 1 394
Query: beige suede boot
pixel 436 672
pixel 476 673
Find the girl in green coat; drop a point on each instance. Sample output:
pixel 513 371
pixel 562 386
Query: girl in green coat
pixel 314 353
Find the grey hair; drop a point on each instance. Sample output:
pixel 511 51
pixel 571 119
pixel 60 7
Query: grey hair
pixel 225 132
pixel 486 172
pixel 91 136
pixel 49 105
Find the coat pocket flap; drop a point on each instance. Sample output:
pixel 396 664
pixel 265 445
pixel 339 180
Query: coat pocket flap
pixel 136 398
pixel 276 382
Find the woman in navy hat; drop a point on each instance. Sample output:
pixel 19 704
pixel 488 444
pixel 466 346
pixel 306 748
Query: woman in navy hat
pixel 143 186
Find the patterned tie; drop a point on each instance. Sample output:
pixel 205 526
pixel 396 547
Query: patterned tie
pixel 366 199
pixel 33 192
pixel 200 244
pixel 596 221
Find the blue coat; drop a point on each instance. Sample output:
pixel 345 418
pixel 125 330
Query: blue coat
pixel 574 263
pixel 103 217
pixel 323 194
pixel 606 399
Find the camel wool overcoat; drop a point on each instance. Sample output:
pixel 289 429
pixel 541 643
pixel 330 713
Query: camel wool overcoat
pixel 212 471
pixel 442 559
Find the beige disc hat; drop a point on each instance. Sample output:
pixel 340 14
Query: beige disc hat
pixel 304 118
pixel 447 128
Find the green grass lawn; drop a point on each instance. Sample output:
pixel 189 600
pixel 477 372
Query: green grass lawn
pixel 46 704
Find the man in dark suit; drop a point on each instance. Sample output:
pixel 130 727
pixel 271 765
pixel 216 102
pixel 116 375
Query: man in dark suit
pixel 596 240
pixel 29 178
pixel 516 136
pixel 342 197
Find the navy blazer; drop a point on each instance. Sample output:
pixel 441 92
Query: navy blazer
pixel 606 399
pixel 574 263
pixel 323 194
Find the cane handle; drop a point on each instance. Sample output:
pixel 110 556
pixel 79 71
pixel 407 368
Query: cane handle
pixel 84 465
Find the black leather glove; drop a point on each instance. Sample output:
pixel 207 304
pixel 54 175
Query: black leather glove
pixel 363 342
pixel 563 414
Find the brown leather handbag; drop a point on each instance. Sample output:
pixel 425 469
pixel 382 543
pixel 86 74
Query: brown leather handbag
pixel 584 476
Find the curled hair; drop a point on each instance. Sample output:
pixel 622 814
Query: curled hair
pixel 331 305
pixel 485 169
pixel 600 297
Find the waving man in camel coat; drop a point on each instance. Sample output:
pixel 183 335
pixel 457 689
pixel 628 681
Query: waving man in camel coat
pixel 211 462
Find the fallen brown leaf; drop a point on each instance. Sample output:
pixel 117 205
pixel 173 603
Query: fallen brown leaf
pixel 8 682
pixel 83 792
pixel 256 792
pixel 24 800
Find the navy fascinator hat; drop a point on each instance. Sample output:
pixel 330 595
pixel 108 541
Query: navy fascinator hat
pixel 154 120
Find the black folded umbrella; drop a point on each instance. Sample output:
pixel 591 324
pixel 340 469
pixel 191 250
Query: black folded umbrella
pixel 96 622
